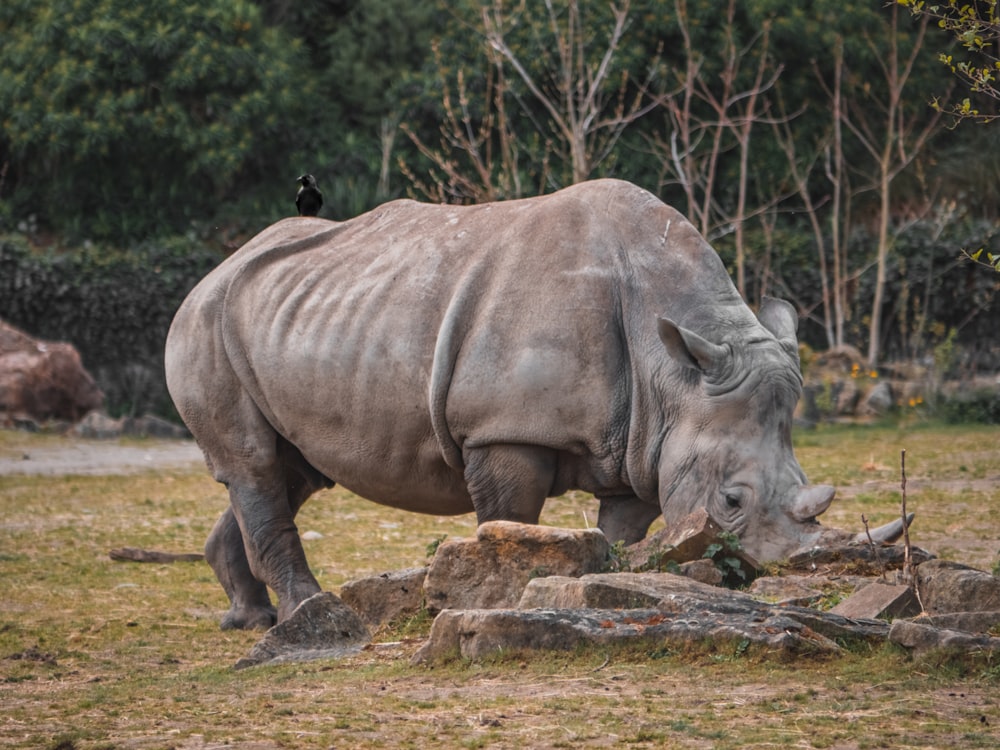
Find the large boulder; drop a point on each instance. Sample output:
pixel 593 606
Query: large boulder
pixel 492 570
pixel 946 586
pixel 42 380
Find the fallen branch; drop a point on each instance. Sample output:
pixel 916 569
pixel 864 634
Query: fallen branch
pixel 134 554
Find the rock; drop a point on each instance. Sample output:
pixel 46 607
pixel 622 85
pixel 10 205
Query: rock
pixel 321 627
pixel 798 590
pixel 98 425
pixel 493 569
pixel 42 380
pixel 879 600
pixel 854 557
pixel 879 400
pixel 847 397
pixel 385 597
pixel 952 587
pixel 703 571
pixel 921 639
pixel 970 622
pixel 624 591
pixel 690 539
pixel 559 612
pixel 677 594
pixel 476 634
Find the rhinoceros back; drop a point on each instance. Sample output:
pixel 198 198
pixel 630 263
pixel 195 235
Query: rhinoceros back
pixel 401 338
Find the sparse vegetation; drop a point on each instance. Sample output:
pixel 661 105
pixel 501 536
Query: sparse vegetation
pixel 101 654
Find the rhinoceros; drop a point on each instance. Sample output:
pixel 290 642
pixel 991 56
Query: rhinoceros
pixel 446 360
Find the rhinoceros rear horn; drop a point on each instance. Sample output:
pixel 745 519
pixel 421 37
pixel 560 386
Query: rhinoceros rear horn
pixel 886 534
pixel 690 349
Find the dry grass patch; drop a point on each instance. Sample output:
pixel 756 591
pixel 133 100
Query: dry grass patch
pixel 96 654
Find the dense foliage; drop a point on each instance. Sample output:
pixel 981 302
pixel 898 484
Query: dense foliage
pixel 114 306
pixel 799 138
pixel 121 120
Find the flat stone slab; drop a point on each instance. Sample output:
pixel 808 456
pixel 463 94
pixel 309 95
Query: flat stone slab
pixel 475 634
pixel 624 591
pixel 880 600
pixel 321 627
pixel 559 612
pixel 921 639
pixel 851 555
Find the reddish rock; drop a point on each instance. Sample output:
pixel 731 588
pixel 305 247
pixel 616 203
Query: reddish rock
pixel 689 539
pixel 380 599
pixel 492 570
pixel 42 380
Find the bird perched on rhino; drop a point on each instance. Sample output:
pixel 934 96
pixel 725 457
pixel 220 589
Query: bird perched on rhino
pixel 309 199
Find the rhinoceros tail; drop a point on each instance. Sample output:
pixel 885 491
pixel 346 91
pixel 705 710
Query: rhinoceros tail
pixel 451 335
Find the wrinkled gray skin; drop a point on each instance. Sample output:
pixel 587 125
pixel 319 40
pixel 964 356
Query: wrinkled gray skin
pixel 447 359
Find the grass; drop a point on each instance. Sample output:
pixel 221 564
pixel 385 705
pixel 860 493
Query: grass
pixel 96 654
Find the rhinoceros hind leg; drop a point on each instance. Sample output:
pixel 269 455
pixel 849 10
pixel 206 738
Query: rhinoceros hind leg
pixel 250 604
pixel 226 552
pixel 509 482
pixel 626 519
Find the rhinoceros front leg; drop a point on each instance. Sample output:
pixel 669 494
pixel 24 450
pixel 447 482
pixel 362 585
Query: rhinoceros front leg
pixel 625 519
pixel 509 482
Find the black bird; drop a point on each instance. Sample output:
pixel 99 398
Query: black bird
pixel 309 200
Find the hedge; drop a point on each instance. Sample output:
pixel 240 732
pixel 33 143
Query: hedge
pixel 115 306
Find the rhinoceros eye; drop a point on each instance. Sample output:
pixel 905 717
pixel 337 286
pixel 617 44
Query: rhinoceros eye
pixel 734 497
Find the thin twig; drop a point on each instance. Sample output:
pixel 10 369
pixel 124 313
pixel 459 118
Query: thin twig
pixel 907 560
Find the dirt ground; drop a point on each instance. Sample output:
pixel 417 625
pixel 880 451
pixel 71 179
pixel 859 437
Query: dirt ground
pixel 101 457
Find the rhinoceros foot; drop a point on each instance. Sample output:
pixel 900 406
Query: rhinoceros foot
pixel 249 618
pixel 321 627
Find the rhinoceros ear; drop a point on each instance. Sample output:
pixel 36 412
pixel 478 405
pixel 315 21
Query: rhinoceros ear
pixel 780 318
pixel 690 349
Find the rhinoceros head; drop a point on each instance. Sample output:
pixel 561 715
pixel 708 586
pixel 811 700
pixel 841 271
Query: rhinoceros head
pixel 730 448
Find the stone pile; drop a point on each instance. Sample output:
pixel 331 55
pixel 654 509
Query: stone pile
pixel 519 588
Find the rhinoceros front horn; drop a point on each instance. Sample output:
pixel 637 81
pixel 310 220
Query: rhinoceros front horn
pixel 811 501
pixel 886 534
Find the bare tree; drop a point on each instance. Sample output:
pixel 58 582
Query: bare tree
pixel 588 108
pixel 800 173
pixel 477 156
pixel 708 119
pixel 894 141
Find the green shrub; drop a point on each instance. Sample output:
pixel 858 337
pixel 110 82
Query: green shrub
pixel 115 306
pixel 981 406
